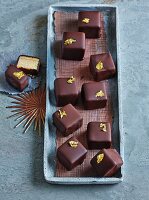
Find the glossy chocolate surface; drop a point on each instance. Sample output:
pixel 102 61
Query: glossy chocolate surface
pixel 102 66
pixel 106 162
pixel 73 155
pixel 89 22
pixel 94 95
pixel 99 135
pixel 67 119
pixel 65 91
pixel 74 50
pixel 16 78
pixel 28 64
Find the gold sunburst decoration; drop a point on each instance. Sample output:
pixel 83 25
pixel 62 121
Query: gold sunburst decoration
pixel 30 108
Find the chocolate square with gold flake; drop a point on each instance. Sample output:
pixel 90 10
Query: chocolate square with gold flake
pixel 94 95
pixel 67 119
pixel 102 66
pixel 16 77
pixel 71 154
pixel 65 91
pixel 106 162
pixel 99 135
pixel 28 64
pixel 73 46
pixel 89 22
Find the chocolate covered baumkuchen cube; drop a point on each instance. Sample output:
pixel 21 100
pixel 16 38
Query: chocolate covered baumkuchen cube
pixel 89 22
pixel 67 119
pixel 65 91
pixel 106 162
pixel 16 78
pixel 73 45
pixel 71 154
pixel 99 135
pixel 28 64
pixel 94 95
pixel 102 66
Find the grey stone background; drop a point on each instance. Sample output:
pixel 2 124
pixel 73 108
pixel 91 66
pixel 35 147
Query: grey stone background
pixel 23 30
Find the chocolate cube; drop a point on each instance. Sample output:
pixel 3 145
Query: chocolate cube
pixel 71 154
pixel 99 135
pixel 73 46
pixel 28 64
pixel 16 78
pixel 94 95
pixel 89 22
pixel 65 91
pixel 67 119
pixel 102 66
pixel 106 162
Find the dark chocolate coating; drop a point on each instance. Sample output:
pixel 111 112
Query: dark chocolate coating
pixel 108 66
pixel 71 157
pixel 96 138
pixel 110 163
pixel 65 93
pixel 89 91
pixel 91 29
pixel 19 84
pixel 76 50
pixel 29 71
pixel 69 123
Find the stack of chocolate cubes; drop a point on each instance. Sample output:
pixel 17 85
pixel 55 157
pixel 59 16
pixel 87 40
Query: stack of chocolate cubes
pixel 18 75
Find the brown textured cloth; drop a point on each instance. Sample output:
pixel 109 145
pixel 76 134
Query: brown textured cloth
pixel 80 70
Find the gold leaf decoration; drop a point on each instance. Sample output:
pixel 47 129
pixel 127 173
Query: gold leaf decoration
pixel 100 158
pixel 100 94
pixel 30 108
pixel 19 75
pixel 86 20
pixel 69 41
pixel 73 144
pixel 99 65
pixel 103 127
pixel 71 80
pixel 62 113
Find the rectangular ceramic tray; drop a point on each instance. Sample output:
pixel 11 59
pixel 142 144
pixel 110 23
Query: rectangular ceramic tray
pixel 111 28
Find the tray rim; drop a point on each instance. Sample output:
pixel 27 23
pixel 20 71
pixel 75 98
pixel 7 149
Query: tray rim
pixel 87 180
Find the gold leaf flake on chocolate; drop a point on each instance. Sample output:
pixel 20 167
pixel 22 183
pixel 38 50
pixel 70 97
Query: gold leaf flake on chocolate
pixel 19 75
pixel 73 144
pixel 62 113
pixel 99 65
pixel 30 108
pixel 86 20
pixel 69 41
pixel 103 127
pixel 100 94
pixel 71 80
pixel 100 157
